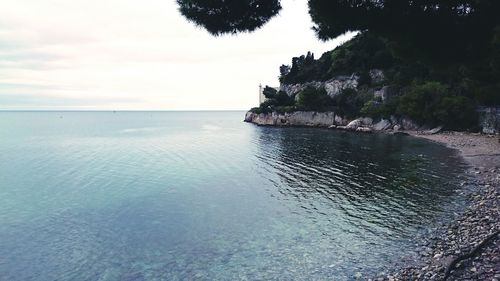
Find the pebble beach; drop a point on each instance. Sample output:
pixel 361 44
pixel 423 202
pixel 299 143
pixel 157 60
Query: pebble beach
pixel 468 248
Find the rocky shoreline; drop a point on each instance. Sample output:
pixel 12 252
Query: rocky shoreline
pixel 331 120
pixel 469 248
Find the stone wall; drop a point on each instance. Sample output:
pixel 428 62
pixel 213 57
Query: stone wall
pixel 489 120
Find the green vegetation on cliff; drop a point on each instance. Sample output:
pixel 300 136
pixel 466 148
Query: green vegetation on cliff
pixel 443 56
pixel 429 93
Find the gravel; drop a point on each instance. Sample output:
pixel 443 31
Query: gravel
pixel 479 221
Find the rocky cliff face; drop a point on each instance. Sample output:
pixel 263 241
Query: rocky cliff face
pixel 489 121
pixel 489 116
pixel 332 87
pixel 329 120
pixel 298 118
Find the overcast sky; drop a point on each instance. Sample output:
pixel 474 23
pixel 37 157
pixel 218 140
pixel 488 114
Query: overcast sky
pixel 139 55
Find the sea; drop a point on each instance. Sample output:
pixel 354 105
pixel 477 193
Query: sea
pixel 136 195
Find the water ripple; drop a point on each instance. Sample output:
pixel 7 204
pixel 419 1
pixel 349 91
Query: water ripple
pixel 203 196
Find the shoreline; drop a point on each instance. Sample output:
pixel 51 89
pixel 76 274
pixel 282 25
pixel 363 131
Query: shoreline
pixel 469 248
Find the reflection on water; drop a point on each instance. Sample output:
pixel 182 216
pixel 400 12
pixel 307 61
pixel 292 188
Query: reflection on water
pixel 203 196
pixel 384 180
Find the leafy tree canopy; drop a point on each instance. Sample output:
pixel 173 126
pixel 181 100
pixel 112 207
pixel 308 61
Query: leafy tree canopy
pixel 442 29
pixel 229 16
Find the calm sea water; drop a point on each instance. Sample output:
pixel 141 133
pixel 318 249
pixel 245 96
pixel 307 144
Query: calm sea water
pixel 204 196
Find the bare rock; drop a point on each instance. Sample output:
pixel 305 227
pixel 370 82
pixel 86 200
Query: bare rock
pixel 364 129
pixel 408 124
pixel 435 130
pixel 382 125
pixel 354 124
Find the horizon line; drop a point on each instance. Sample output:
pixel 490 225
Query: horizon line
pixel 119 110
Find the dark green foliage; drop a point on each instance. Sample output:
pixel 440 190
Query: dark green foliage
pixel 284 70
pixel 276 98
pixel 229 16
pixel 350 102
pixel 433 103
pixel 275 101
pixel 445 54
pixel 488 95
pixel 365 52
pixel 269 92
pixel 302 69
pixel 376 109
pixel 285 109
pixel 282 99
pixel 364 78
pixel 431 94
pixel 359 55
pixel 433 30
pixel 257 110
pixel 314 99
pixel 444 30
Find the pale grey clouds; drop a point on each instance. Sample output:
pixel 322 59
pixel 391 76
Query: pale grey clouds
pixel 129 54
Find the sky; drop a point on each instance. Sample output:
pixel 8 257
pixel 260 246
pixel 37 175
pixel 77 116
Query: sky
pixel 140 55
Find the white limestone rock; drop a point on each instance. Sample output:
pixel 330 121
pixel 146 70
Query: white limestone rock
pixel 354 124
pixel 364 129
pixel 332 87
pixel 382 125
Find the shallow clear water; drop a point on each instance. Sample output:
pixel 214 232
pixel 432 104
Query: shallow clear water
pixel 204 196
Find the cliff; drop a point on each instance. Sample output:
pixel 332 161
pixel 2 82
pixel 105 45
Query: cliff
pixel 332 121
pixel 365 77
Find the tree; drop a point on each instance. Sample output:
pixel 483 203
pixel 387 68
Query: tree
pixel 445 30
pixel 229 16
pixel 309 59
pixel 284 70
pixel 311 98
pixel 269 92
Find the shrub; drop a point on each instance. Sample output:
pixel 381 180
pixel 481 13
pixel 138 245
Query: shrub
pixel 433 103
pixel 269 92
pixel 314 99
pixel 457 112
pixel 350 102
pixel 420 101
pixel 257 110
pixel 488 95
pixel 378 110
pixel 285 109
pixel 282 99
